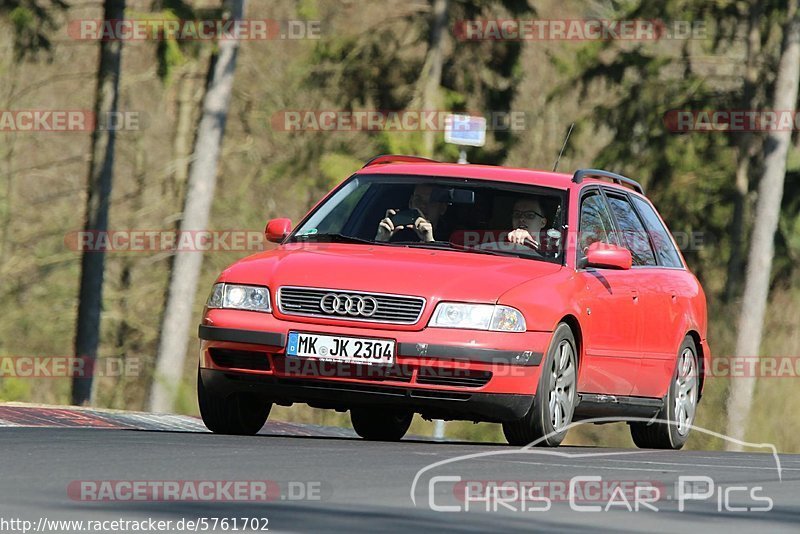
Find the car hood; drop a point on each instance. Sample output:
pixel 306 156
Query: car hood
pixel 433 274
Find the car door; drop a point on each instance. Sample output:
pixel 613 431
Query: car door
pixel 656 291
pixel 677 288
pixel 610 302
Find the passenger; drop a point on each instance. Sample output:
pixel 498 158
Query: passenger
pixel 527 221
pixel 422 228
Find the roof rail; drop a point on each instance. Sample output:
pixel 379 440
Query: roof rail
pixel 396 158
pixel 580 174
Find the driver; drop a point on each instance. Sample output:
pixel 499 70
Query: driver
pixel 423 227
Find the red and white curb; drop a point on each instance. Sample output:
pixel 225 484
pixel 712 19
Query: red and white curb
pixel 47 416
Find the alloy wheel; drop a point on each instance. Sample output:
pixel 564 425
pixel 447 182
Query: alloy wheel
pixel 562 388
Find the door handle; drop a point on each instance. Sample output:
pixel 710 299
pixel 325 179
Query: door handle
pixel 674 296
pixel 635 295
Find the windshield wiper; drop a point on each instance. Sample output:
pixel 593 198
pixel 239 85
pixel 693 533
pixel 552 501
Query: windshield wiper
pixel 445 245
pixel 331 238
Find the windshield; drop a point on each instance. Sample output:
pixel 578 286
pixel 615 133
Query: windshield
pixel 469 216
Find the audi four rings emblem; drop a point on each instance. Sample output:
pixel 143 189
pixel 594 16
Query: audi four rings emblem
pixel 354 305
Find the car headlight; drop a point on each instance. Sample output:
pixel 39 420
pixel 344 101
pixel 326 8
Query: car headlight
pixel 478 317
pixel 239 297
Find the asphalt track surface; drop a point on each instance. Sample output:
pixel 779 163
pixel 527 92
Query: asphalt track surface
pixel 327 480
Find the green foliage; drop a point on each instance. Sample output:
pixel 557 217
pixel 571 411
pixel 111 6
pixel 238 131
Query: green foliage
pixel 186 396
pixel 170 56
pixel 380 69
pixel 308 9
pixel 368 70
pixel 33 21
pixel 689 176
pixel 172 53
pixel 14 389
pixel 22 18
pixel 169 52
pixel 618 93
pixel 336 166
pixel 400 142
pixel 787 243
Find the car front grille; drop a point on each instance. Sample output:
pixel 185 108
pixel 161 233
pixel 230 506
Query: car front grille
pixel 453 377
pixel 325 369
pixel 376 308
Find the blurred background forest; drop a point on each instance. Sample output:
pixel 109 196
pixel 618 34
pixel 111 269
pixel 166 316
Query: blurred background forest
pixel 376 55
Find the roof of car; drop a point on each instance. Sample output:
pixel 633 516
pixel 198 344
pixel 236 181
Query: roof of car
pixel 558 180
pixel 479 172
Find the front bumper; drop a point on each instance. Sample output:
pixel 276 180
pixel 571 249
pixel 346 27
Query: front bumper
pixel 342 395
pixel 441 373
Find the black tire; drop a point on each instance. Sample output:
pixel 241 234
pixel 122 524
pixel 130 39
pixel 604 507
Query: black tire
pixel 537 424
pixel 242 414
pixel 380 424
pixel 671 432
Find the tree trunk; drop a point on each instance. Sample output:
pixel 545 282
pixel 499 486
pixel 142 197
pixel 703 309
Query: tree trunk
pixel 6 203
pixel 432 70
pixel 175 325
pixel 87 336
pixel 123 346
pixel 184 129
pixel 762 247
pixel 746 146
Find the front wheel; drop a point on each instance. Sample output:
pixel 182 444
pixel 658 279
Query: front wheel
pixel 551 413
pixel 677 415
pixel 239 413
pixel 380 424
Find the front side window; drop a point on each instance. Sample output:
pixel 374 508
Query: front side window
pixel 464 215
pixel 595 223
pixel 633 232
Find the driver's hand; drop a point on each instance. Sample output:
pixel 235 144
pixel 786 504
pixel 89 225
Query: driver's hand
pixel 520 236
pixel 386 228
pixel 424 229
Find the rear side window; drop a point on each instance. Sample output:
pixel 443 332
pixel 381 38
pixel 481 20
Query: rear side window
pixel 633 232
pixel 665 249
pixel 595 222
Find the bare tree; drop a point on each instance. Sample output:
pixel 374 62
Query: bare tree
pixel 747 146
pixel 431 75
pixel 762 248
pixel 202 180
pixel 87 336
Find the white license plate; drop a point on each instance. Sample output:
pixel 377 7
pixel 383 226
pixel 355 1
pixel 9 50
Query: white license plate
pixel 341 349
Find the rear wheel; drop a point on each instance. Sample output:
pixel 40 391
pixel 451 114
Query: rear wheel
pixel 380 424
pixel 677 415
pixel 554 402
pixel 238 413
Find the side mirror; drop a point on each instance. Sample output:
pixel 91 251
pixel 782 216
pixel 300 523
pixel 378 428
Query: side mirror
pixel 277 230
pixel 607 256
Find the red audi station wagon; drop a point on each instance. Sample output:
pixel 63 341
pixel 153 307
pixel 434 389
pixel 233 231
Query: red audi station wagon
pixel 472 292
